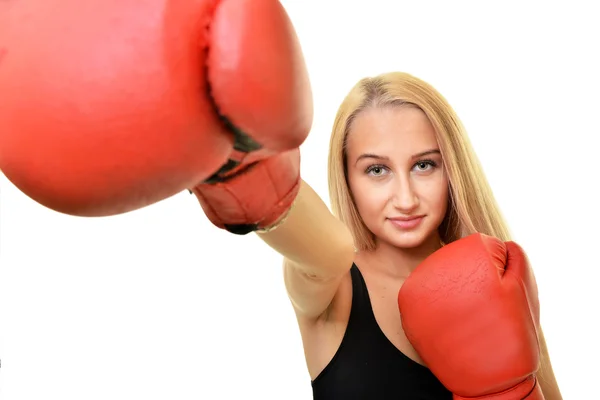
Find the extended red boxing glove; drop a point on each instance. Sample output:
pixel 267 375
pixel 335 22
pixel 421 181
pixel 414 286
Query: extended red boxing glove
pixel 471 311
pixel 270 117
pixel 253 196
pixel 108 106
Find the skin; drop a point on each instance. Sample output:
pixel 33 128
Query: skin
pixel 394 170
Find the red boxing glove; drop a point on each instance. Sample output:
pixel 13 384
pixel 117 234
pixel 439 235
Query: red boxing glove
pixel 108 106
pixel 270 119
pixel 471 311
pixel 254 196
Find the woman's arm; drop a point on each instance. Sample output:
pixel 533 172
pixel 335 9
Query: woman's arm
pixel 318 250
pixel 546 374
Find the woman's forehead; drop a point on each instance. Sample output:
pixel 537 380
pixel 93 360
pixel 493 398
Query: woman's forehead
pixel 391 130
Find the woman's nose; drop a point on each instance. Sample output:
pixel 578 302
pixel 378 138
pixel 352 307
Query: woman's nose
pixel 405 198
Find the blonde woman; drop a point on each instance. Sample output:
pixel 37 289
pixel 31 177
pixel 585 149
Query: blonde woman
pixel 394 294
pixel 404 184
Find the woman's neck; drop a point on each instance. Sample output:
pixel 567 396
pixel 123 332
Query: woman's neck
pixel 398 262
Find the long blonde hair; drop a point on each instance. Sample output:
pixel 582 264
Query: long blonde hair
pixel 472 206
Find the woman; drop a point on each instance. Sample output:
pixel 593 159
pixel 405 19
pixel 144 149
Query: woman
pixel 403 181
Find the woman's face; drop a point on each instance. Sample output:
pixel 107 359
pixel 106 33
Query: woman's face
pixel 396 176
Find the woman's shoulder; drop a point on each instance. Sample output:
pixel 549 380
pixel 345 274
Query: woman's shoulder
pixel 338 310
pixel 322 337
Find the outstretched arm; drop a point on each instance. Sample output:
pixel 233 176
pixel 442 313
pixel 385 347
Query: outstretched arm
pixel 318 250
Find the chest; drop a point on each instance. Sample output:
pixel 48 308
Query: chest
pixel 383 294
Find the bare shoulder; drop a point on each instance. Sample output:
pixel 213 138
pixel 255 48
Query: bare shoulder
pixel 313 294
pixel 322 335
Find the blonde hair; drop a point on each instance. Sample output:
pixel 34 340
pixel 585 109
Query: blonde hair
pixel 472 206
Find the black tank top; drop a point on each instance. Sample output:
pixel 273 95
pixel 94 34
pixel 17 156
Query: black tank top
pixel 367 366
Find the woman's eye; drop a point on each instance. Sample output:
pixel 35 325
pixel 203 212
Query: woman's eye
pixel 376 170
pixel 425 165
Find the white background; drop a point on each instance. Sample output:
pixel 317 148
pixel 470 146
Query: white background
pixel 159 304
